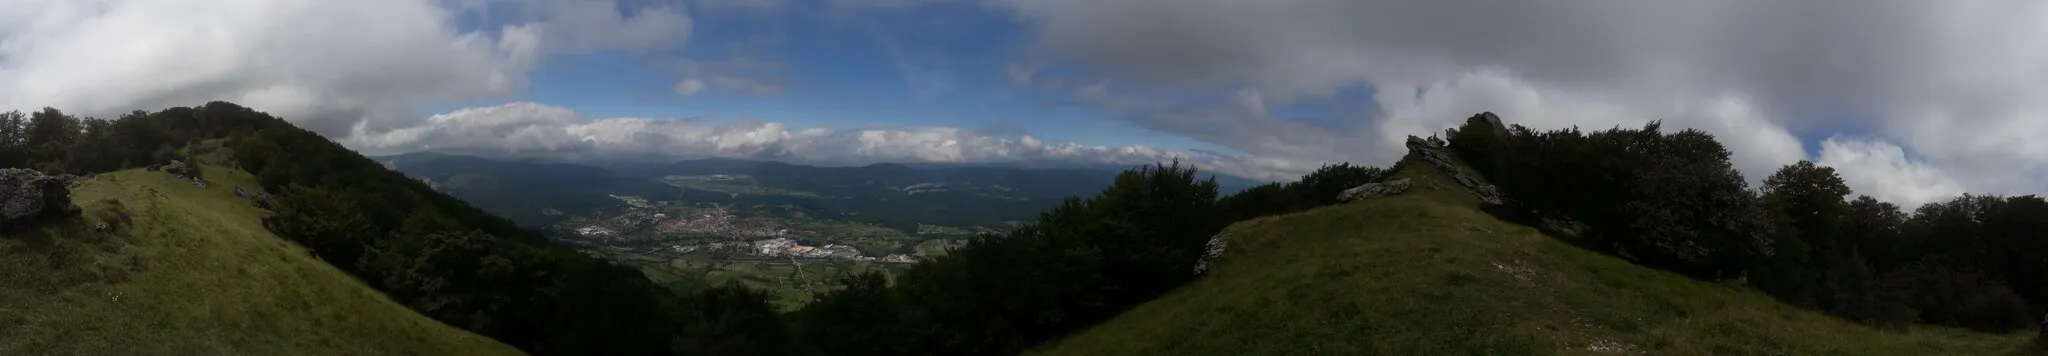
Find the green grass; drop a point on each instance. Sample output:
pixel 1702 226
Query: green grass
pixel 1426 273
pixel 193 272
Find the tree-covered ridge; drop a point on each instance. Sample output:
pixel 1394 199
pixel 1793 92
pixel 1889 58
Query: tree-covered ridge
pixel 1668 200
pixel 1080 262
pixel 1077 265
pixel 1671 200
pixel 433 253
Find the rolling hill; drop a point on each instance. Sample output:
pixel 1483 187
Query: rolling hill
pixel 538 194
pixel 1427 273
pixel 191 271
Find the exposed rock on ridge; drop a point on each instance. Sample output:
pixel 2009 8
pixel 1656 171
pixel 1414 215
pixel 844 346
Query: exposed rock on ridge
pixel 1212 252
pixel 28 196
pixel 1374 190
pixel 1432 152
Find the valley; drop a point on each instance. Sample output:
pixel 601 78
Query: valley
pixel 688 247
pixel 791 230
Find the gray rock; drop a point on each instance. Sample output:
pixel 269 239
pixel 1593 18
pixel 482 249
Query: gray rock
pixel 1431 151
pixel 1559 227
pixel 28 196
pixel 1212 252
pixel 176 167
pixel 1374 190
pixel 2042 338
pixel 271 224
pixel 1490 120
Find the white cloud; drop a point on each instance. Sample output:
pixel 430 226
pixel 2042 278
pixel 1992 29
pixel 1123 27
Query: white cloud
pixel 1882 170
pixel 536 129
pixel 1956 81
pixel 749 68
pixel 331 66
pixel 1017 73
pixel 690 86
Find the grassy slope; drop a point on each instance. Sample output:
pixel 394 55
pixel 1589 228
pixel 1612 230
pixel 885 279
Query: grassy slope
pixel 194 273
pixel 1426 273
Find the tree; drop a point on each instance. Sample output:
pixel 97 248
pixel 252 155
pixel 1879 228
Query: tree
pixel 1806 202
pixel 1872 228
pixel 1671 201
pixel 13 139
pixel 862 317
pixel 730 319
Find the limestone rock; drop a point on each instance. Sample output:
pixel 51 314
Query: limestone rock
pixel 1212 252
pixel 27 196
pixel 272 224
pixel 1374 190
pixel 2042 337
pixel 176 167
pixel 1431 151
pixel 1490 120
pixel 1559 227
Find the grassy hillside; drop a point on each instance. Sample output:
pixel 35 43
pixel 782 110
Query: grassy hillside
pixel 1427 273
pixel 192 272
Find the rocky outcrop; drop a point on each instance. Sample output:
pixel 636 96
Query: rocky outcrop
pixel 28 196
pixel 1491 121
pixel 175 167
pixel 1212 252
pixel 1559 227
pixel 258 196
pixel 1432 152
pixel 1374 190
pixel 271 223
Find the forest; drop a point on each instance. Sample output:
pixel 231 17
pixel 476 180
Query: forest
pixel 1673 201
pixel 1666 200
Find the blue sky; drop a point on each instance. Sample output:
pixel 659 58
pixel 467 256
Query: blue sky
pixel 1936 101
pixel 911 66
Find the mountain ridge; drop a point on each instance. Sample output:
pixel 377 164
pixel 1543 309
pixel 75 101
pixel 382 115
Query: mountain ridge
pixel 170 267
pixel 1426 271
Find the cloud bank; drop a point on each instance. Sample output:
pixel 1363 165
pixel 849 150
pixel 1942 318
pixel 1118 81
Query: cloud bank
pixel 1911 100
pixel 335 67
pixel 530 129
pixel 1957 82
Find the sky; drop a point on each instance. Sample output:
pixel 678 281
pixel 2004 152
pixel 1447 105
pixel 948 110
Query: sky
pixel 1910 101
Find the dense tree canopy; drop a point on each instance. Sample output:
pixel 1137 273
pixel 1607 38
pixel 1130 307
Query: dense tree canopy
pixel 1672 201
pixel 1666 200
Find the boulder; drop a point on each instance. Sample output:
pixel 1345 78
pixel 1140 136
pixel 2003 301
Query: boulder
pixel 271 224
pixel 1212 252
pixel 71 181
pixel 2042 336
pixel 1491 121
pixel 1374 190
pixel 28 196
pixel 1559 227
pixel 176 167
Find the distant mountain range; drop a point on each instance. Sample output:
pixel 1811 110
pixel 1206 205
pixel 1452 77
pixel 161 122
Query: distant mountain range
pixel 538 193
